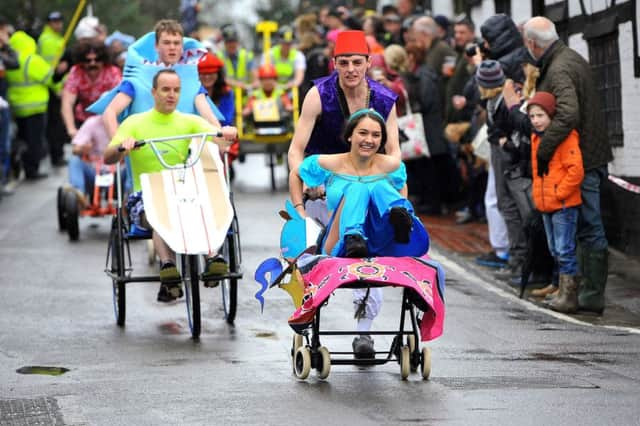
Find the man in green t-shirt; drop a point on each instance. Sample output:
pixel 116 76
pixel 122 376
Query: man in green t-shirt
pixel 161 121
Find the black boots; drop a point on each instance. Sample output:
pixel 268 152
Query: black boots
pixel 402 222
pixel 595 268
pixel 355 246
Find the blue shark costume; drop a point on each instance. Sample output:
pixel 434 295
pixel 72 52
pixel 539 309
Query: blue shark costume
pixel 140 68
pixel 141 65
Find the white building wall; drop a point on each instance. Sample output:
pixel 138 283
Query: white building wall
pixel 627 158
pixel 481 13
pixel 442 7
pixel 593 6
pixel 520 11
pixel 638 20
pixel 579 44
pixel 574 8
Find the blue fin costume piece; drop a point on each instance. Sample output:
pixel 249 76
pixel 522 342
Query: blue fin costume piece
pixel 293 238
pixel 140 68
pixel 271 266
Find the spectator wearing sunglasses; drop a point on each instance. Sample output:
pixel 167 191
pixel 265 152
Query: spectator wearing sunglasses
pixel 89 78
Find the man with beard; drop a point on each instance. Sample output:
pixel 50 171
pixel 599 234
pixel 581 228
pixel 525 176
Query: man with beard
pixel 325 111
pixel 463 35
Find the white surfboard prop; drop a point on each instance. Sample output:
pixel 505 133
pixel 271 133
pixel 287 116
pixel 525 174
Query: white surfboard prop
pixel 188 204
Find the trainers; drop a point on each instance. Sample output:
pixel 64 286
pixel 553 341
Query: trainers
pixel 215 267
pixel 355 246
pixel 170 283
pixel 463 212
pixel 511 272
pixel 465 217
pixel 492 260
pixel 169 292
pixel 363 347
pixel 401 221
pixel 543 292
pixel 169 273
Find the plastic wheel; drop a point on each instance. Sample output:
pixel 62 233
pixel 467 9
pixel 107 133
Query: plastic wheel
pixel 116 252
pixel 191 281
pixel 72 215
pixel 325 369
pixel 60 204
pixel 426 362
pixel 151 252
pixel 405 362
pixel 302 362
pixel 414 354
pixel 411 342
pixel 297 343
pixel 229 286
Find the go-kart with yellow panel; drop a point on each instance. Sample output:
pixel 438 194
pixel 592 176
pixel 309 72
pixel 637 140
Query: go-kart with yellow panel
pixel 268 115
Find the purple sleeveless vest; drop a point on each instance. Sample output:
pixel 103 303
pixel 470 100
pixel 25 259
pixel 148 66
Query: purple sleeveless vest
pixel 326 137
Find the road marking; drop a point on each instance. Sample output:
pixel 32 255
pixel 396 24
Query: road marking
pixel 456 268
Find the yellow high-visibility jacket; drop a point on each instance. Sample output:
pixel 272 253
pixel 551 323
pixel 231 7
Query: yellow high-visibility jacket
pixel 29 84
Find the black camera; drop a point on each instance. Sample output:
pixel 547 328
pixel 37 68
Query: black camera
pixel 471 49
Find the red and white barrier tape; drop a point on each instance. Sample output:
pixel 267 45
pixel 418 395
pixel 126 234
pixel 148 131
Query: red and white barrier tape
pixel 624 184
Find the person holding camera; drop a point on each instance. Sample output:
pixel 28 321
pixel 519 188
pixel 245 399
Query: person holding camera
pixel 502 43
pixel 463 36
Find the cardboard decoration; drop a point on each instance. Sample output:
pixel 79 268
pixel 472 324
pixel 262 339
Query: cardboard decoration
pixel 190 208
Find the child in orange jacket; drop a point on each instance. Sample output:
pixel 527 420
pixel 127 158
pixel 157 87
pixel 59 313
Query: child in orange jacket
pixel 556 193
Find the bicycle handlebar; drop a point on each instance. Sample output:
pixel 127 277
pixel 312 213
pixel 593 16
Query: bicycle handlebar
pixel 137 144
pixel 142 142
pixel 194 158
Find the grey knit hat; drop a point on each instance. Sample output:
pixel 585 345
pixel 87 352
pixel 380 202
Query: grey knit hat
pixel 489 74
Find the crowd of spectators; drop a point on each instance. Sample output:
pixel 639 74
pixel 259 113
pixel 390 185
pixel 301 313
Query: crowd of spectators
pixel 469 84
pixel 45 86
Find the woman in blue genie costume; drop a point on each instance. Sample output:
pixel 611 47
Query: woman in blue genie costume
pixel 369 216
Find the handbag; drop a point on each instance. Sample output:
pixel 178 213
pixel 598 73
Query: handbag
pixel 480 144
pixel 411 125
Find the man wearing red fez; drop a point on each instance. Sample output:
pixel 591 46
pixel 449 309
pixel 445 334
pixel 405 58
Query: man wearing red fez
pixel 326 108
pixel 331 101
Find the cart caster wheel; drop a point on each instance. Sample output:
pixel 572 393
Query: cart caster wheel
pixel 61 209
pixel 302 362
pixel 297 343
pixel 405 362
pixel 151 252
pixel 72 213
pixel 426 363
pixel 323 372
pixel 411 342
pixel 414 355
